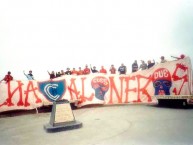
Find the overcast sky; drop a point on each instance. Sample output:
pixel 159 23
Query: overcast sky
pixel 51 35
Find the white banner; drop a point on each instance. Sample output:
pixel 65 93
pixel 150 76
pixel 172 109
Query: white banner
pixel 170 78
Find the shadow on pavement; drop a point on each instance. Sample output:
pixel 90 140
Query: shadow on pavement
pixel 45 109
pixel 173 105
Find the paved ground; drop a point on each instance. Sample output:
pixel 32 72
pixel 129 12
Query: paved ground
pixel 111 125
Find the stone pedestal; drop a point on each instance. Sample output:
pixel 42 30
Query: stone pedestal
pixel 62 117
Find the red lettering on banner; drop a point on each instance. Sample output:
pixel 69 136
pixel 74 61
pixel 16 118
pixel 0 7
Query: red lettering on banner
pixel 127 89
pixel 184 76
pixel 182 69
pixel 8 101
pixel 143 89
pixel 160 74
pixel 175 91
pixel 73 90
pixel 113 87
pixel 33 89
pixel 83 98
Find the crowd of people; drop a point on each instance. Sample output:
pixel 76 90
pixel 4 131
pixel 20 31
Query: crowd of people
pixel 87 70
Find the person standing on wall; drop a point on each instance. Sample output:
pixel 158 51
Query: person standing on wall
pixel 7 77
pixel 163 60
pixel 122 69
pixel 86 70
pixel 80 71
pixel 29 75
pixel 135 66
pixel 68 71
pixel 150 64
pixel 143 65
pixel 94 70
pixel 112 69
pixel 182 56
pixel 74 71
pixel 103 70
pixel 52 75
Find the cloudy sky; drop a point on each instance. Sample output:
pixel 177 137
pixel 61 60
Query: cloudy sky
pixel 51 35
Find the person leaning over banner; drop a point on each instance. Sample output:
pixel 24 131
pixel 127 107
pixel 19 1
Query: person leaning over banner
pixel 112 69
pixel 86 70
pixel 143 65
pixel 62 72
pixel 80 71
pixel 135 66
pixel 150 64
pixel 74 71
pixel 122 69
pixel 103 70
pixel 7 77
pixel 29 75
pixel 182 56
pixel 52 75
pixel 58 74
pixel 94 70
pixel 68 71
pixel 163 59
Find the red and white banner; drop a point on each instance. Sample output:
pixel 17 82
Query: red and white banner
pixel 170 78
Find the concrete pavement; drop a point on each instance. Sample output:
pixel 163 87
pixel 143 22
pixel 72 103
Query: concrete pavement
pixel 109 125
